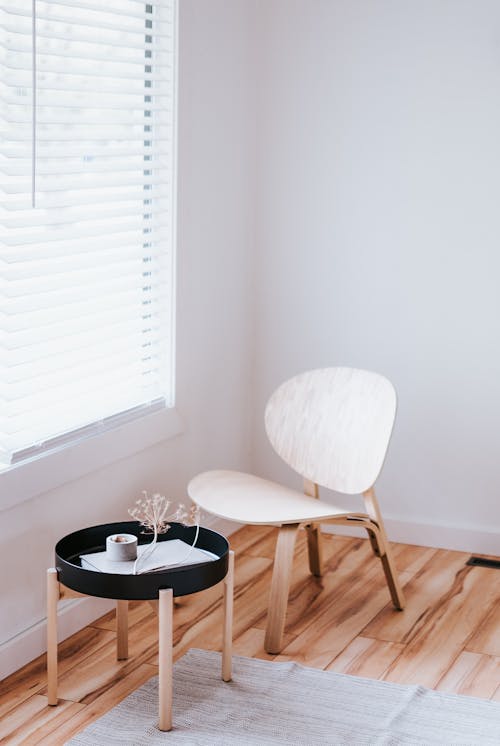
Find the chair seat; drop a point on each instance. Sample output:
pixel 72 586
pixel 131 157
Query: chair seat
pixel 245 498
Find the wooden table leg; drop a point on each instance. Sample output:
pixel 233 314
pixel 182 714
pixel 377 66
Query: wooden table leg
pixel 52 600
pixel 165 628
pixel 227 637
pixel 121 630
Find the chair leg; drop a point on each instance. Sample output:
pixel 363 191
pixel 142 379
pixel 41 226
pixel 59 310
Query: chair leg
pixel 315 549
pixel 280 586
pixel 374 543
pixel 385 552
pixel 314 545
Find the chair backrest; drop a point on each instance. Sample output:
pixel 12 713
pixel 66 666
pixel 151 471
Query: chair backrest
pixel 333 426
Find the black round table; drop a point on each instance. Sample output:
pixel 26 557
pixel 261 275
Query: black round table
pixel 69 580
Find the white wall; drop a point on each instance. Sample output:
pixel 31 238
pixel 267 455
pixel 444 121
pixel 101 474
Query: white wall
pixel 215 237
pixel 378 231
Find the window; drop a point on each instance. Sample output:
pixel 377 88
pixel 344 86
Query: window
pixel 87 208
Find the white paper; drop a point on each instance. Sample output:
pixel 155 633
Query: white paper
pixel 172 553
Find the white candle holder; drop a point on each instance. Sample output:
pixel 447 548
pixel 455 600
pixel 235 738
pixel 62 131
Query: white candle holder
pixel 121 547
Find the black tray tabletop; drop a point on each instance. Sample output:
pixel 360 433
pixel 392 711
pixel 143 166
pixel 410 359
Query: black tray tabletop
pixel 183 580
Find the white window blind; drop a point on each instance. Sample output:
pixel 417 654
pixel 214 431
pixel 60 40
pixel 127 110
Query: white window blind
pixel 87 154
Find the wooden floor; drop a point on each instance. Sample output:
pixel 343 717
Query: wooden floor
pixel 448 637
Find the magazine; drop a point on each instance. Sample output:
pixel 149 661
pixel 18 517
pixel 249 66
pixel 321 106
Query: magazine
pixel 170 553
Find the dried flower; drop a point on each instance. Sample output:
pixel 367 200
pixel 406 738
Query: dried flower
pixel 152 513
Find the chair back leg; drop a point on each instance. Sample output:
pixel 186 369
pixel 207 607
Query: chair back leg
pixel 315 549
pixel 384 550
pixel 314 545
pixel 280 586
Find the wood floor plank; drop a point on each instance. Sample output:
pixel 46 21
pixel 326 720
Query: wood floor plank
pixel 310 595
pixel 448 626
pixel 99 706
pixel 411 559
pixel 44 725
pixel 25 711
pixel 138 610
pixel 426 590
pixel 486 639
pixel 265 546
pixel 250 607
pixel 251 540
pixel 474 674
pixel 341 554
pixel 101 670
pixel 339 618
pixel 204 630
pixel 32 678
pixel 301 579
pixel 366 657
pixel 348 561
pixel 251 644
pixel 31 716
pixel 345 552
pixel 251 582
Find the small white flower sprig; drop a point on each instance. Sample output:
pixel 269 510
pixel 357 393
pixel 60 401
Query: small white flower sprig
pixel 152 513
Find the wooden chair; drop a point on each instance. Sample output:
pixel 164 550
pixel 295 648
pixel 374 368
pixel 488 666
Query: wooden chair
pixel 332 426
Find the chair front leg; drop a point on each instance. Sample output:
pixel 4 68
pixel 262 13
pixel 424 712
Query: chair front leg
pixel 385 551
pixel 280 586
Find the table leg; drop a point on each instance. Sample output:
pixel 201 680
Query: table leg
pixel 121 630
pixel 165 628
pixel 227 637
pixel 52 600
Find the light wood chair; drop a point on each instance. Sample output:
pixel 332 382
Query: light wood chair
pixel 332 426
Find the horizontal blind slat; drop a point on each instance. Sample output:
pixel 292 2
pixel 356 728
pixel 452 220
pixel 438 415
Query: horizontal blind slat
pixel 73 360
pixel 45 346
pixel 68 165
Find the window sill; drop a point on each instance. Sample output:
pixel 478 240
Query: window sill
pixel 30 478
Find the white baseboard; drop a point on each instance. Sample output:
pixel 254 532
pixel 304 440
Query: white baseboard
pixel 72 616
pixel 29 644
pixel 432 535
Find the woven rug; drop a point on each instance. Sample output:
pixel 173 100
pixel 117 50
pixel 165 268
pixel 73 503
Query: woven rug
pixel 285 703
